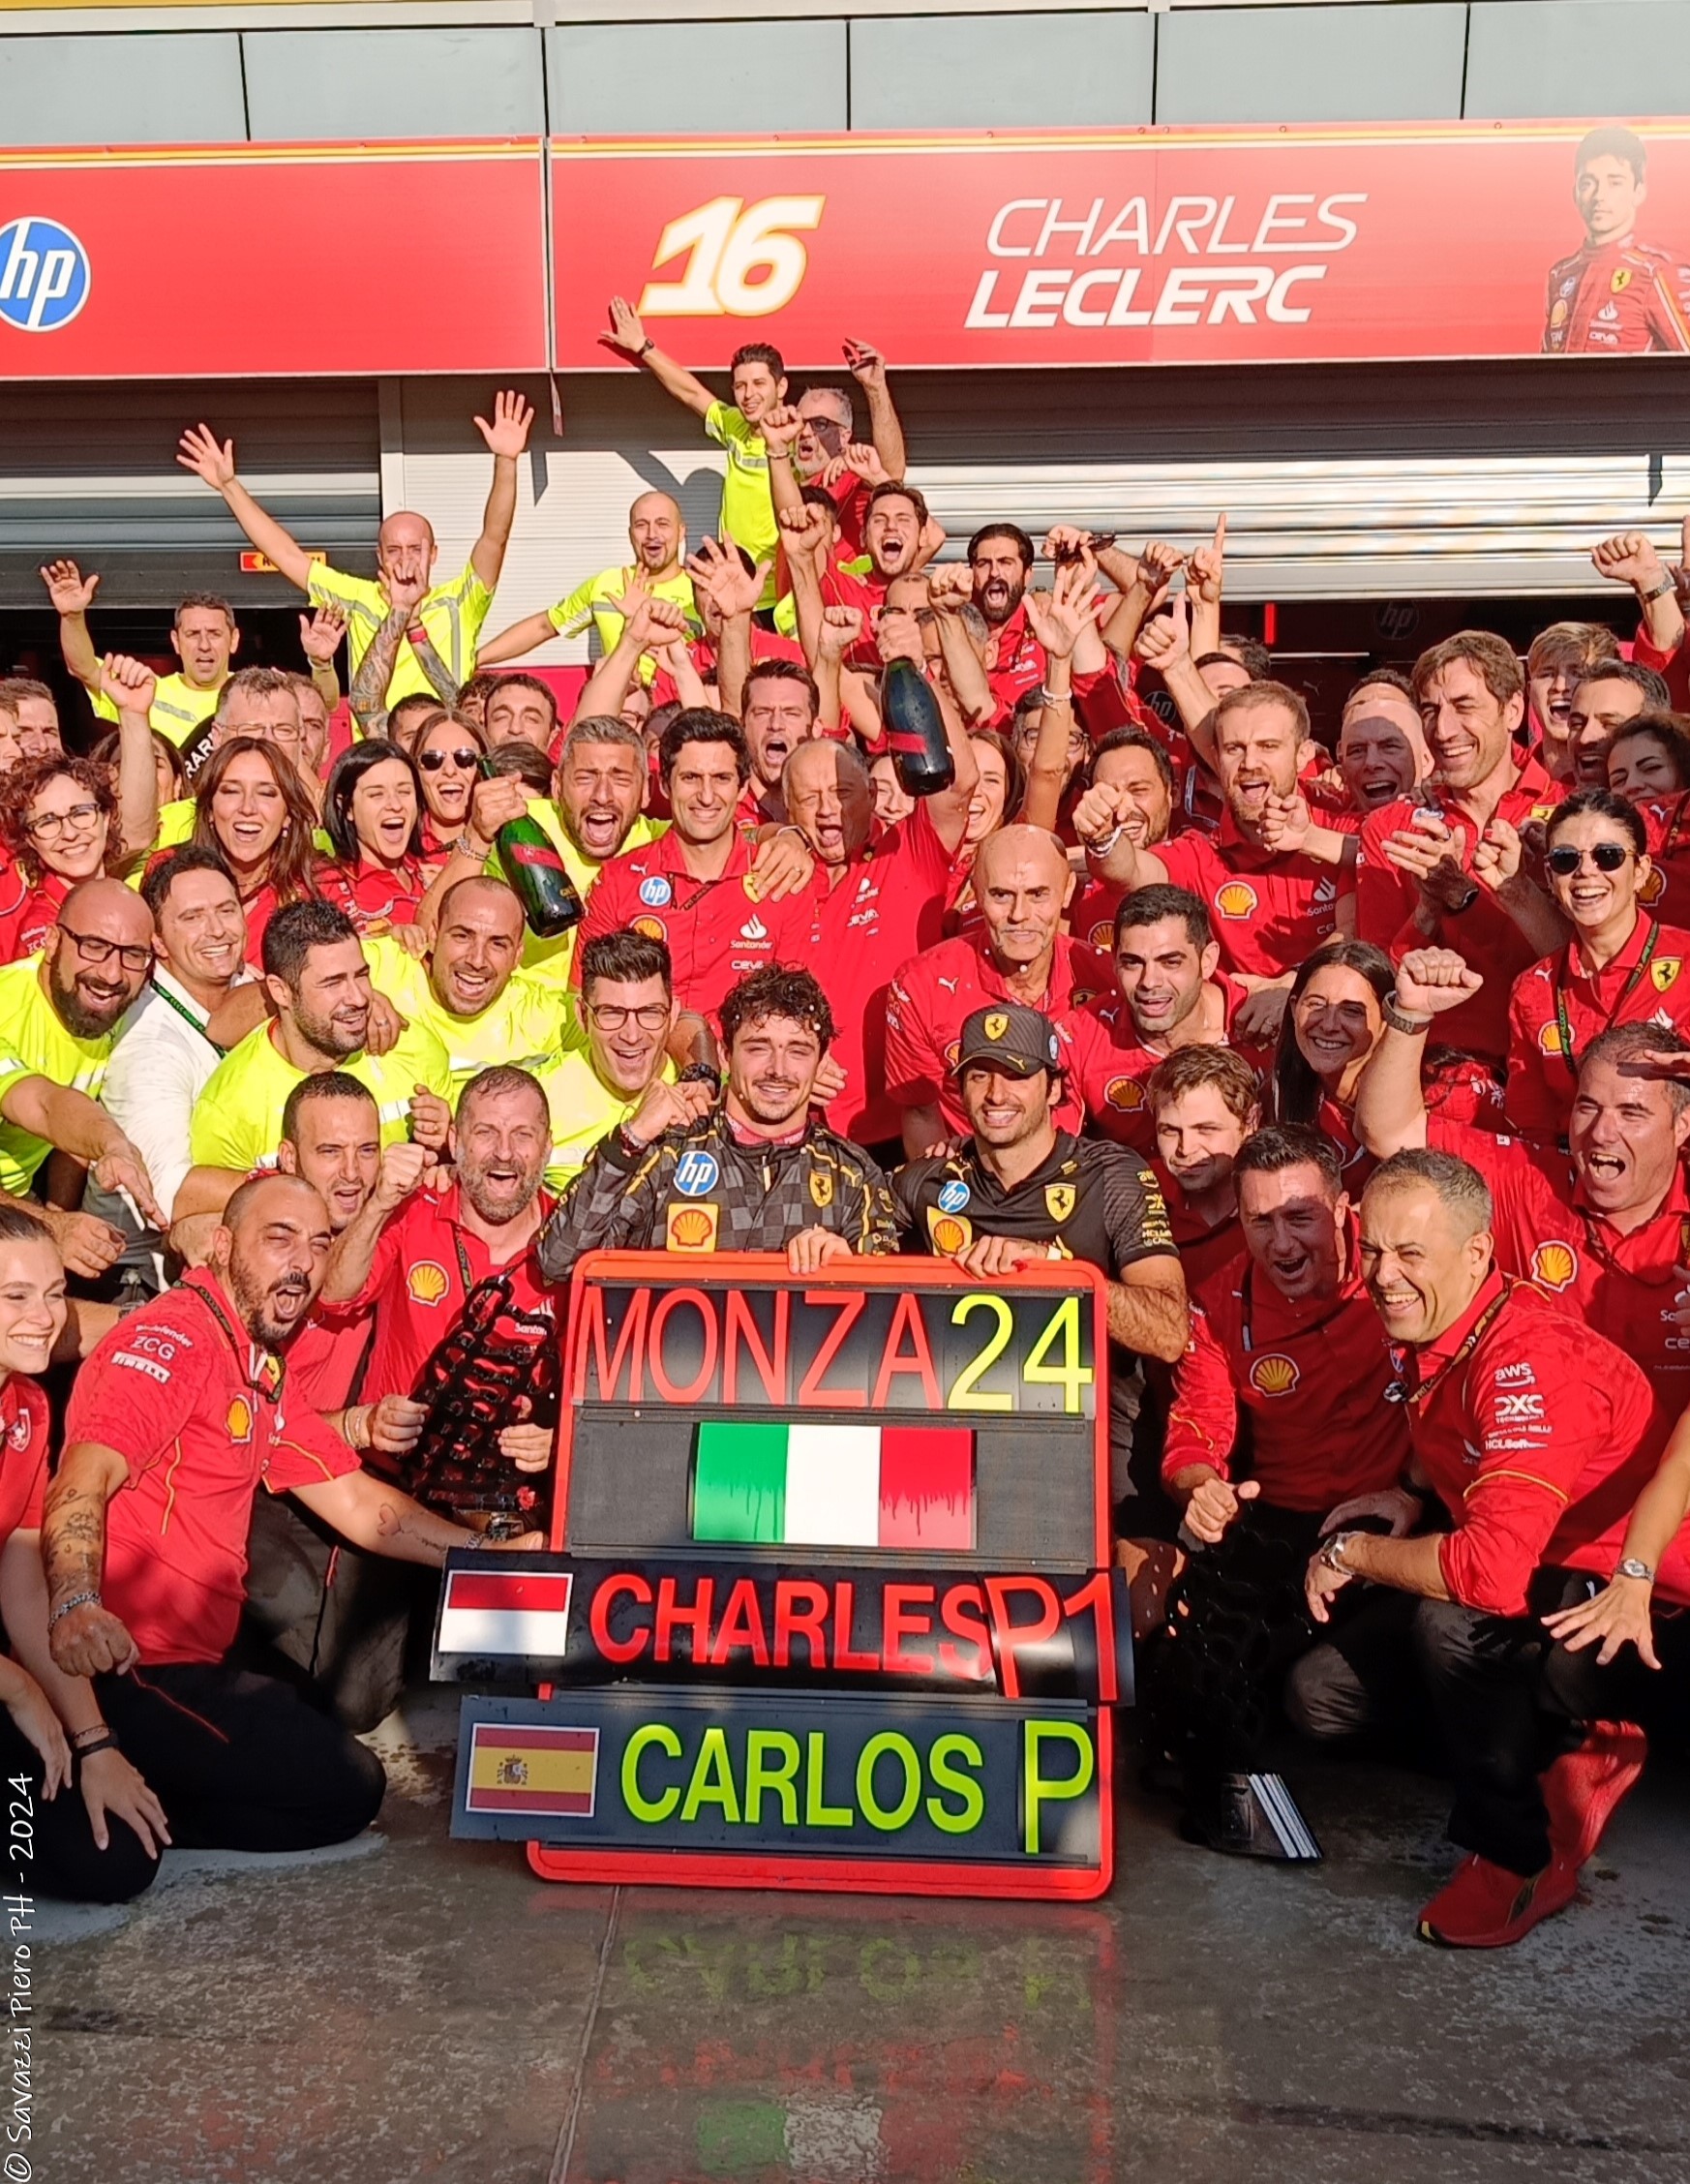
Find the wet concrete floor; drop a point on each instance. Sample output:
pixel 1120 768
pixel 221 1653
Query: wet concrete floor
pixel 411 2009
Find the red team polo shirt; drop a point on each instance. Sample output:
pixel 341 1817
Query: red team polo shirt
pixel 887 904
pixel 718 931
pixel 1668 826
pixel 935 994
pixel 1269 910
pixel 1311 1376
pixel 1486 936
pixel 1622 1286
pixel 1108 1063
pixel 24 1433
pixel 372 895
pixel 30 914
pixel 1648 982
pixel 1206 1252
pixel 425 1265
pixel 1537 1437
pixel 183 1395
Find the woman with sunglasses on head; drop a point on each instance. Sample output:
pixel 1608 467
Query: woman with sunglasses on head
pixel 251 806
pixel 372 809
pixel 1620 966
pixel 448 756
pixel 1334 1019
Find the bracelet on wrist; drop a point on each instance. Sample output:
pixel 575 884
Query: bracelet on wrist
pixel 1402 1019
pixel 1655 591
pixel 646 347
pixel 106 1743
pixel 75 1600
pixel 90 1735
pixel 1630 1565
pixel 1108 843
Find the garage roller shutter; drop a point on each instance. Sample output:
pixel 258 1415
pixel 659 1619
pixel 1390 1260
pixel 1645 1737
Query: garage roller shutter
pixel 91 471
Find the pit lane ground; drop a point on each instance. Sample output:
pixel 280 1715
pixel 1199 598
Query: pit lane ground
pixel 411 2009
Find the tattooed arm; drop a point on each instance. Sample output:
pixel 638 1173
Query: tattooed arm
pixel 379 1518
pixel 88 1640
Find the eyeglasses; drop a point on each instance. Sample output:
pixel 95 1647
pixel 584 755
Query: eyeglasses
pixel 653 1017
pixel 1605 857
pixel 52 823
pixel 93 950
pixel 432 761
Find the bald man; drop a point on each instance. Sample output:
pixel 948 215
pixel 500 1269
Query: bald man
pixel 451 616
pixel 657 534
pixel 59 1013
pixel 885 892
pixel 185 1407
pixel 1022 883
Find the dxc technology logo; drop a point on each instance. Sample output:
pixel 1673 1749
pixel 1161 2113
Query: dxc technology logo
pixel 44 276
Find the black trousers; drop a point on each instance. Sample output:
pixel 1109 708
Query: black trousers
pixel 241 1762
pixel 52 1851
pixel 1507 1700
pixel 341 1620
pixel 1236 1620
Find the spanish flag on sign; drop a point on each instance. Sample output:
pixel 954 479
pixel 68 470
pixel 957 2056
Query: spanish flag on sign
pixel 523 1767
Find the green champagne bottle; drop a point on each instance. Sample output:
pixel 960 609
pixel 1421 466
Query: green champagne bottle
pixel 530 862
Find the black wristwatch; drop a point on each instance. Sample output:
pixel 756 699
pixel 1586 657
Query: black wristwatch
pixel 700 1072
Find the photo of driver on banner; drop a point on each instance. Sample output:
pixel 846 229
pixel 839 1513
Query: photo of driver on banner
pixel 1616 296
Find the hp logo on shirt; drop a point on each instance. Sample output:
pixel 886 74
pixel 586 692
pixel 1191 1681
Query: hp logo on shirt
pixel 695 1173
pixel 44 276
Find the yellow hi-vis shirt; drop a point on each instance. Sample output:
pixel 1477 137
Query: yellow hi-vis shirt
pixel 179 707
pixel 588 602
pixel 34 1042
pixel 525 1027
pixel 747 503
pixel 237 1119
pixel 584 1108
pixel 451 616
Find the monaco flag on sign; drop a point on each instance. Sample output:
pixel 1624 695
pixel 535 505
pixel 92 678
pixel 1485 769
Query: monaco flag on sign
pixel 1133 246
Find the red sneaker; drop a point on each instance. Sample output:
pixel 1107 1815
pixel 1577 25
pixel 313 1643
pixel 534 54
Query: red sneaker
pixel 1583 1787
pixel 1486 1906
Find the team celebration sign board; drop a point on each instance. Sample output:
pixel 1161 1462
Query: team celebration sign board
pixel 830 1602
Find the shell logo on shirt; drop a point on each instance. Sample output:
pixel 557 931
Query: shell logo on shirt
pixel 1125 1093
pixel 1549 1038
pixel 690 1228
pixel 1274 1375
pixel 648 929
pixel 1236 899
pixel 1653 889
pixel 1556 1265
pixel 1102 936
pixel 240 1419
pixel 427 1282
pixel 950 1232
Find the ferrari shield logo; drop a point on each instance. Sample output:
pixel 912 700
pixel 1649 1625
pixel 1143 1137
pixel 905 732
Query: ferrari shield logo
pixel 821 1187
pixel 1621 280
pixel 1058 1199
pixel 1664 971
pixel 996 1025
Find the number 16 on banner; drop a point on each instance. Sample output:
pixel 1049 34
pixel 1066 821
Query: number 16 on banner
pixel 745 262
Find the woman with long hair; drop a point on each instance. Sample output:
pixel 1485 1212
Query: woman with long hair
pixel 59 820
pixel 448 756
pixel 251 806
pixel 372 807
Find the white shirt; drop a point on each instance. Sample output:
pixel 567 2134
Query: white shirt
pixel 161 1063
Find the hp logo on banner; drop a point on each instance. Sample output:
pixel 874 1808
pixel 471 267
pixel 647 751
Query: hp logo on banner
pixel 44 276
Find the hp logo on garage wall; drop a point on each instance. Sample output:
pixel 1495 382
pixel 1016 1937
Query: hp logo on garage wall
pixel 44 276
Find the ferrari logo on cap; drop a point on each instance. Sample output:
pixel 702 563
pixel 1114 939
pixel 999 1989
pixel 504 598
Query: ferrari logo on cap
pixel 1664 971
pixel 996 1025
pixel 1058 1198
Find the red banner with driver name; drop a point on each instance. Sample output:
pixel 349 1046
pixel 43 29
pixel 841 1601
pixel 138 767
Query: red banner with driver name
pixel 1162 246
pixel 272 260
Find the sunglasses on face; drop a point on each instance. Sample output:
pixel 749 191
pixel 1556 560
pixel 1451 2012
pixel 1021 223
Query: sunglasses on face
pixel 432 761
pixel 1605 857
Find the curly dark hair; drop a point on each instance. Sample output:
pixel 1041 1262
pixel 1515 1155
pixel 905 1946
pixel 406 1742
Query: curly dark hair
pixel 24 783
pixel 777 992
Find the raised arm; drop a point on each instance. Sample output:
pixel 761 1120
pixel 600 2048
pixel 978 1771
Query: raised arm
pixel 1164 644
pixel 1205 573
pixel 374 674
pixel 1631 559
pixel 320 640
pixel 1143 581
pixel 1390 1106
pixel 627 333
pixel 72 595
pixel 354 1248
pixel 507 434
pixel 518 637
pixel 1056 620
pixel 213 461
pixel 734 590
pixel 868 366
pixel 132 687
pixel 1498 865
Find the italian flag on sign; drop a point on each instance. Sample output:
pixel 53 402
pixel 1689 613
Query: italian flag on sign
pixel 835 1486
